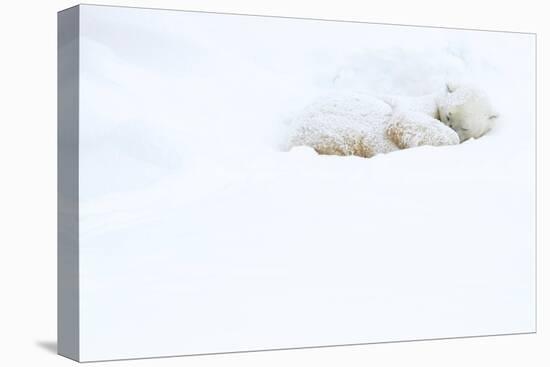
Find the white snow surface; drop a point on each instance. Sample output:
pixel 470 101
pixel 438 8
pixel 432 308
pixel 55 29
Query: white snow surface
pixel 200 233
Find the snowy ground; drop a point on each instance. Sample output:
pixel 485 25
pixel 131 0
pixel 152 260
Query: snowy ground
pixel 199 234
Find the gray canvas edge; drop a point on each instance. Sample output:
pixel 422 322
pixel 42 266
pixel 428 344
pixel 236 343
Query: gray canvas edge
pixel 68 344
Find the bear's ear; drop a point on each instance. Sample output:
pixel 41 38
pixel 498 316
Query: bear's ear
pixel 492 120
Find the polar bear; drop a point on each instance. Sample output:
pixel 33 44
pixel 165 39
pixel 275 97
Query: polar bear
pixel 364 125
pixel 466 109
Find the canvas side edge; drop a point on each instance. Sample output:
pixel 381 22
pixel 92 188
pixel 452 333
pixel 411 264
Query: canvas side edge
pixel 68 328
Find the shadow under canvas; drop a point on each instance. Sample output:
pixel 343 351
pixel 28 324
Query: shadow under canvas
pixel 49 346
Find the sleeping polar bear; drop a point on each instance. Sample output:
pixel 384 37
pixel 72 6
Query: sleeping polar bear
pixel 364 125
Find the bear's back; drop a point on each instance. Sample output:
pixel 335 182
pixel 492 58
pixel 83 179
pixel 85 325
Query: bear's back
pixel 344 124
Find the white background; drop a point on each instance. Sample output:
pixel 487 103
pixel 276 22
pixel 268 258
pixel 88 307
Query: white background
pixel 28 185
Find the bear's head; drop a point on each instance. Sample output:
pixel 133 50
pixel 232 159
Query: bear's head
pixel 466 110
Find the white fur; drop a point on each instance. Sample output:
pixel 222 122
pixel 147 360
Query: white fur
pixel 365 125
pixel 467 110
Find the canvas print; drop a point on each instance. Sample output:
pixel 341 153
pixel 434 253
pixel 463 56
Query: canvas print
pixel 239 183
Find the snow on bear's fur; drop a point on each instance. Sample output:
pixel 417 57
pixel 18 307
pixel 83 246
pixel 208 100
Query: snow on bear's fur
pixel 365 125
